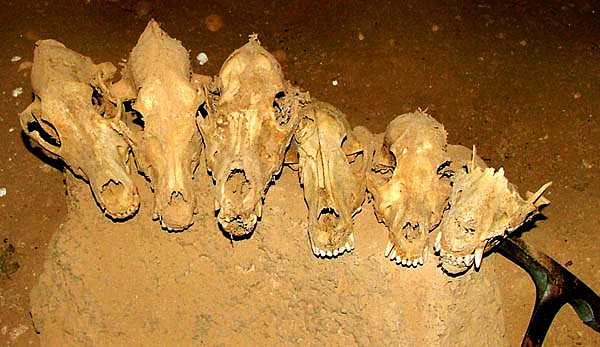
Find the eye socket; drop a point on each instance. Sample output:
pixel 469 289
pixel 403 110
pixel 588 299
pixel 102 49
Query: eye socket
pixel 47 132
pixel 444 170
pixel 281 110
pixel 202 110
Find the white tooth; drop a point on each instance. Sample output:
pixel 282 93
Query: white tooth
pixel 409 263
pixel 393 254
pixel 322 253
pixel 478 257
pixel 438 241
pixel 329 254
pixel 469 259
pixel 388 249
pixel 398 260
pixel 335 252
pixel 217 207
pixel 348 246
pixel 258 209
pixel 421 260
pixel 403 261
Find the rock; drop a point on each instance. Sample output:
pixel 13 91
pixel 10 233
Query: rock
pixel 132 283
pixel 213 22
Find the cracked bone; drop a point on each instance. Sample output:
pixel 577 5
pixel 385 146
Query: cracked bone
pixel 333 162
pixel 408 182
pixel 71 119
pixel 158 77
pixel 483 208
pixel 247 122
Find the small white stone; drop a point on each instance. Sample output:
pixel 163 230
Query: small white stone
pixel 17 91
pixel 361 36
pixel 2 192
pixel 202 58
pixel 334 82
pixel 10 130
pixel 15 59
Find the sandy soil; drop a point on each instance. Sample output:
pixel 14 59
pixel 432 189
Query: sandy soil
pixel 128 283
pixel 520 81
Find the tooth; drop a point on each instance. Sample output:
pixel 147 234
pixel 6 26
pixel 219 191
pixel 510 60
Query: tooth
pixel 403 261
pixel 421 260
pixel 388 249
pixel 217 207
pixel 335 252
pixel 469 259
pixel 409 263
pixel 351 239
pixel 398 260
pixel 478 257
pixel 393 254
pixel 258 209
pixel 329 254
pixel 322 253
pixel 438 240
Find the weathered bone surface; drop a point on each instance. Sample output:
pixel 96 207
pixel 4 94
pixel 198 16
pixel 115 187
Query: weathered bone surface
pixel 247 124
pixel 158 75
pixel 409 184
pixel 333 161
pixel 70 120
pixel 483 208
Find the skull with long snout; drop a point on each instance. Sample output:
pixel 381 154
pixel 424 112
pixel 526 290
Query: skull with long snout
pixel 483 208
pixel 71 120
pixel 247 124
pixel 158 76
pixel 409 184
pixel 333 163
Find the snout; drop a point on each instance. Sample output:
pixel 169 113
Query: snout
pixel 240 205
pixel 117 198
pixel 177 213
pixel 237 224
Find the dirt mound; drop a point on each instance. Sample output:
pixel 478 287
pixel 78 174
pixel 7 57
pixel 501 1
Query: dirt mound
pixel 131 283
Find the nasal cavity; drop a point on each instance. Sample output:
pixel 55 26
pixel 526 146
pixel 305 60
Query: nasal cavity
pixel 237 185
pixel 112 192
pixel 411 231
pixel 177 198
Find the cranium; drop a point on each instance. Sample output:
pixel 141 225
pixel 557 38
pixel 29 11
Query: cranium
pixel 70 120
pixel 409 184
pixel 247 124
pixel 333 162
pixel 158 72
pixel 483 208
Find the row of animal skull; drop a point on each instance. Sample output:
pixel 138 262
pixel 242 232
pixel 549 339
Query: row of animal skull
pixel 250 121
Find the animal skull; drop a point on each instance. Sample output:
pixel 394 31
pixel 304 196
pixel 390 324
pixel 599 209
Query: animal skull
pixel 483 208
pixel 409 184
pixel 70 120
pixel 247 124
pixel 333 163
pixel 159 72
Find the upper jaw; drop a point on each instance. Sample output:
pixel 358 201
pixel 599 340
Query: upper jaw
pixel 458 261
pixel 330 233
pixel 118 198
